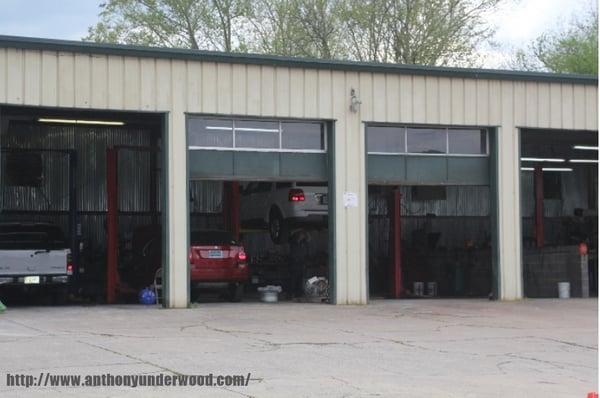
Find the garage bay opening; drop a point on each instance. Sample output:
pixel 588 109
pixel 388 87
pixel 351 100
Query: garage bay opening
pixel 430 212
pixel 259 210
pixel 80 210
pixel 559 202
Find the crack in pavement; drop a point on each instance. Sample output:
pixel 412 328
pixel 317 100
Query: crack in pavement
pixel 139 360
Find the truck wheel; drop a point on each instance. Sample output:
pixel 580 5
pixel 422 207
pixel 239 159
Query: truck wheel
pixel 277 227
pixel 235 292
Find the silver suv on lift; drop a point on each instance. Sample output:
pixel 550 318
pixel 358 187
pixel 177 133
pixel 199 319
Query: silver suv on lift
pixel 284 205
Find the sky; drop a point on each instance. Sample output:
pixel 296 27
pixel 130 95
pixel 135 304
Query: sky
pixel 518 22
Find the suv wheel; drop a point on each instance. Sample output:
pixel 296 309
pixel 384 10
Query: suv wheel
pixel 277 227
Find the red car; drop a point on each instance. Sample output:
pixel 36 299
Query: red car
pixel 217 259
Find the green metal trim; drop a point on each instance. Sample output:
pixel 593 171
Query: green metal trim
pixel 187 212
pixel 331 148
pixel 165 211
pixel 366 199
pixel 494 213
pixel 522 265
pixel 273 60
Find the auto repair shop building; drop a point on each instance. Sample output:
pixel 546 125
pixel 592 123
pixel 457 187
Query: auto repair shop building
pixel 382 124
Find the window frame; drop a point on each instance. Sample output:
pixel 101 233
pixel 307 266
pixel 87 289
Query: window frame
pixel 280 123
pixel 446 129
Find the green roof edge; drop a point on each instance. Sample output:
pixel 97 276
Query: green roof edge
pixel 275 60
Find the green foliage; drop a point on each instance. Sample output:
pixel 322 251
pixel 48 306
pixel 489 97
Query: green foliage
pixel 431 32
pixel 574 50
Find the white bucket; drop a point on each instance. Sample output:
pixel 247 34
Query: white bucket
pixel 564 290
pixel 419 288
pixel 432 289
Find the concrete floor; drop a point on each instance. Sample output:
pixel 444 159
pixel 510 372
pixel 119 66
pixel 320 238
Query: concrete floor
pixel 410 348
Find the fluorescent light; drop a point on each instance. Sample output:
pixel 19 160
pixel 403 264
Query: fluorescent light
pixel 548 169
pixel 76 121
pixel 553 160
pixel 257 130
pixel 218 128
pixel 585 147
pixel 583 161
pixel 557 169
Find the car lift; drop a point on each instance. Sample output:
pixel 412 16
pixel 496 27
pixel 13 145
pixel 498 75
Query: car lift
pixel 396 290
pixel 114 285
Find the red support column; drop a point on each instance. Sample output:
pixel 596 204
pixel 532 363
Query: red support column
pixel 397 245
pixel 538 183
pixel 226 204
pixel 112 231
pixel 234 209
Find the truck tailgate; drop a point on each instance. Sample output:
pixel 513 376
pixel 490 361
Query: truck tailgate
pixel 33 262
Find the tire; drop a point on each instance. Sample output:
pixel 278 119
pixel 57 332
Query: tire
pixel 235 292
pixel 278 229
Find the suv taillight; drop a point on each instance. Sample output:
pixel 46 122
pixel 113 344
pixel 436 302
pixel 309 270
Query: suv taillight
pixel 296 195
pixel 242 256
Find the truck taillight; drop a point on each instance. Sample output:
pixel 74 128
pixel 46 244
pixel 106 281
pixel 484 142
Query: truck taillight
pixel 296 195
pixel 69 264
pixel 242 256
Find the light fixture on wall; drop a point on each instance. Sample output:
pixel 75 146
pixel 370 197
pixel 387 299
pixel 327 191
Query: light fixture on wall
pixel 354 101
pixel 80 121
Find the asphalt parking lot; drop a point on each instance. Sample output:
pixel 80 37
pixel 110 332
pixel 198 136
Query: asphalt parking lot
pixel 411 348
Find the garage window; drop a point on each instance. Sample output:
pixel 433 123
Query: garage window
pixel 464 141
pixel 383 139
pixel 399 140
pixel 426 140
pixel 243 134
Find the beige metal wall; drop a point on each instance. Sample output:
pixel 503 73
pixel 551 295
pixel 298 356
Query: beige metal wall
pixel 48 78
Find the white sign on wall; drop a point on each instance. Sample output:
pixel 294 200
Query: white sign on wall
pixel 350 199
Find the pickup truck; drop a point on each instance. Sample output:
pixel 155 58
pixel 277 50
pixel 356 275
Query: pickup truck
pixel 35 256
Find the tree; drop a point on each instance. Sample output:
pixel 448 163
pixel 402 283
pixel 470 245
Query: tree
pixel 172 23
pixel 429 32
pixel 574 50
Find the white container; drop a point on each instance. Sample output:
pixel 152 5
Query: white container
pixel 418 288
pixel 564 290
pixel 269 294
pixel 432 289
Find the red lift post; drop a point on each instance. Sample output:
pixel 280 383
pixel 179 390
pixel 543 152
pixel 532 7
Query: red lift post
pixel 538 183
pixel 231 207
pixel 112 231
pixel 113 284
pixel 396 269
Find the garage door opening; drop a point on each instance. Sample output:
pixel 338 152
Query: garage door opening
pixel 80 192
pixel 259 209
pixel 248 235
pixel 559 202
pixel 430 216
pixel 439 237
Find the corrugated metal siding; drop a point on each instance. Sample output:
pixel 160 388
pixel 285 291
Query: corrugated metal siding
pixel 126 83
pixel 90 144
pixel 574 193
